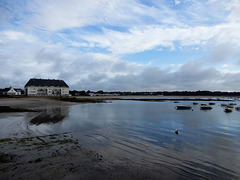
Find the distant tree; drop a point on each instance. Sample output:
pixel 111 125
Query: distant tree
pixel 82 93
pixel 100 92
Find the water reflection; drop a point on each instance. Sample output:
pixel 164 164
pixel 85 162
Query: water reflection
pixel 142 134
pixel 51 115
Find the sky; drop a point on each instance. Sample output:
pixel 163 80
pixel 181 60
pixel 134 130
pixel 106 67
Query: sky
pixel 122 45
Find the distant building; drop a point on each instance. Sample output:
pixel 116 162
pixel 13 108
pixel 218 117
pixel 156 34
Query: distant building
pixel 46 87
pixel 11 91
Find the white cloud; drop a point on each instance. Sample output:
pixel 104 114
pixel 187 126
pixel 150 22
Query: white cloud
pixel 84 43
pixel 191 76
pixel 10 35
pixel 142 38
pixel 96 71
pixel 225 65
pixel 233 6
pixel 177 2
pixel 58 15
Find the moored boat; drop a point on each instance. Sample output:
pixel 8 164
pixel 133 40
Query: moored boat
pixel 206 108
pixel 237 108
pixel 228 110
pixel 211 103
pixel 230 106
pixel 183 107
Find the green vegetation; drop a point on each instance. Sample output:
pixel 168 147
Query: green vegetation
pixel 5 140
pixel 23 140
pixel 36 160
pixel 4 109
pixel 5 158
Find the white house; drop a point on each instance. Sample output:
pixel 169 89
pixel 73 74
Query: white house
pixel 11 91
pixel 46 87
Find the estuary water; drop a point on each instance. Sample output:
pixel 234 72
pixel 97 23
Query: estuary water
pixel 142 134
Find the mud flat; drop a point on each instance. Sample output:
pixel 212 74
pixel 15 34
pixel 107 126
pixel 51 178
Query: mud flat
pixel 32 103
pixel 60 156
pixel 5 109
pixel 45 157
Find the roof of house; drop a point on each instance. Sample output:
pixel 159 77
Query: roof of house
pixel 7 89
pixel 46 82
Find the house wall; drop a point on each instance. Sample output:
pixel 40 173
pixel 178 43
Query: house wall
pixel 46 91
pixel 12 92
pixel 18 93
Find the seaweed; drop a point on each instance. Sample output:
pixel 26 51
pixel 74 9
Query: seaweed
pixel 5 158
pixel 5 109
pixel 5 140
pixel 36 160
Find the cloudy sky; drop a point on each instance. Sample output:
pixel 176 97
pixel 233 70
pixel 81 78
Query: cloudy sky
pixel 126 45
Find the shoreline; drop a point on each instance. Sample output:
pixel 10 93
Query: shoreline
pixel 61 156
pixel 28 104
pixel 55 156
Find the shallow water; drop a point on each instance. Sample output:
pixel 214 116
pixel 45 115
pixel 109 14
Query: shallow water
pixel 142 134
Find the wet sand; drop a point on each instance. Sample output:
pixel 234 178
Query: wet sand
pixel 32 103
pixel 44 157
pixel 60 156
